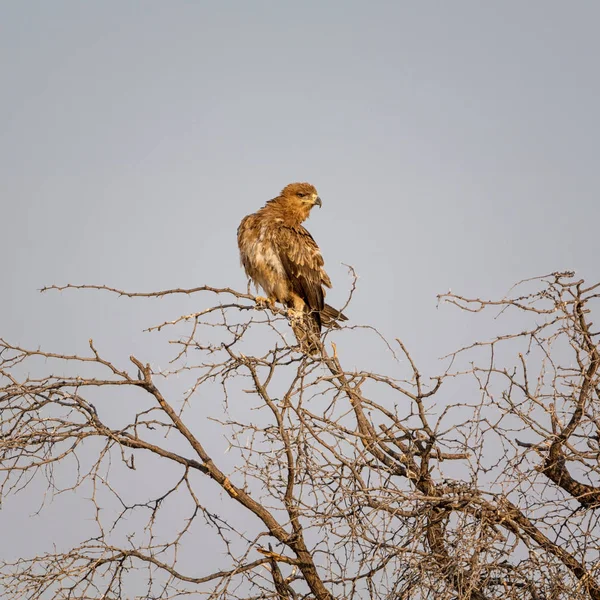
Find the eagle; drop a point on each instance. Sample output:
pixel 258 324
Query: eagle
pixel 280 256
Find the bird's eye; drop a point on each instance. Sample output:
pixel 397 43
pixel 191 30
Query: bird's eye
pixel 301 194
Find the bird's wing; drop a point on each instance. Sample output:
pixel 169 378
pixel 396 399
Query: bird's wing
pixel 303 265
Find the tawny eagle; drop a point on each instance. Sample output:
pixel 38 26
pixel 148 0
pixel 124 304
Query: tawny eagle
pixel 280 256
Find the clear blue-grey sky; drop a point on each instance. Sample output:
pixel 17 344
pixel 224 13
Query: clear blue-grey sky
pixel 454 144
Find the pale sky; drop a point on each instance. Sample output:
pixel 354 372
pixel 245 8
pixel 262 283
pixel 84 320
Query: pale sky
pixel 454 145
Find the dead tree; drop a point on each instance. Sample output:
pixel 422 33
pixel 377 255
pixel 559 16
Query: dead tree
pixel 481 482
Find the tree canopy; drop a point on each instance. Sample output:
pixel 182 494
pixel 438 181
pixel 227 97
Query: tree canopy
pixel 245 468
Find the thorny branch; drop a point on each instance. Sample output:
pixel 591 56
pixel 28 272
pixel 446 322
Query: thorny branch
pixel 478 483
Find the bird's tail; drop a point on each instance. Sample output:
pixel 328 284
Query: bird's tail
pixel 330 317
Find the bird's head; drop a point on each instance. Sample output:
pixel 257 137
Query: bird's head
pixel 303 196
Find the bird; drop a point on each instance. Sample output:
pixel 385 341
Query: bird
pixel 280 256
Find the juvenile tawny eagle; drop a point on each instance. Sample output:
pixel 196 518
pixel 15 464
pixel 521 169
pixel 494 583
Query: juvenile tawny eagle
pixel 279 255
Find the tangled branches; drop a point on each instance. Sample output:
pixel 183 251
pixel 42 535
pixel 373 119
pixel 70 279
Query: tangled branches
pixel 246 469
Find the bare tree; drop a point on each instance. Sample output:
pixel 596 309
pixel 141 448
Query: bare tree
pixel 479 482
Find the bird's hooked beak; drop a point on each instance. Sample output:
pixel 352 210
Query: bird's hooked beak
pixel 318 202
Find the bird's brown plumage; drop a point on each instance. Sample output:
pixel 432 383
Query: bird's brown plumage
pixel 279 255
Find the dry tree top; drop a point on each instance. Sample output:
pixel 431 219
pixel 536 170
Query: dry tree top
pixel 247 469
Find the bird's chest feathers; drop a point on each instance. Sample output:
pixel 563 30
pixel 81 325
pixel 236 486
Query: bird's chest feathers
pixel 265 262
pixel 266 258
